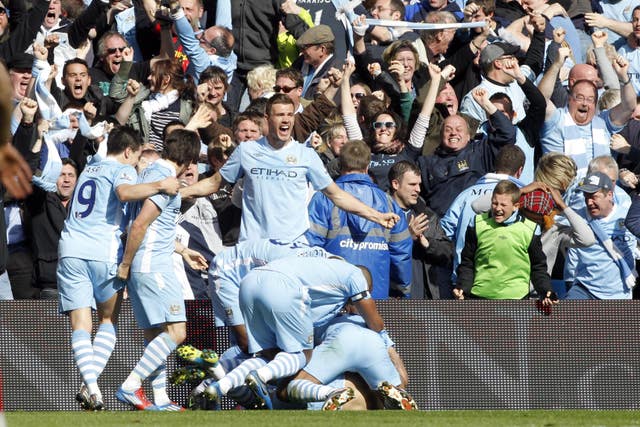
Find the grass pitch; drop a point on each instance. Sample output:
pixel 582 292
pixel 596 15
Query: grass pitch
pixel 309 419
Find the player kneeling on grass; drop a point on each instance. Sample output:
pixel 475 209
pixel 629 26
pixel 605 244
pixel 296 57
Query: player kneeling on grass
pixel 282 302
pixel 349 346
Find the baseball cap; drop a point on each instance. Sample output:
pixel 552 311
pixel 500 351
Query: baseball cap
pixel 595 181
pixel 315 35
pixel 493 51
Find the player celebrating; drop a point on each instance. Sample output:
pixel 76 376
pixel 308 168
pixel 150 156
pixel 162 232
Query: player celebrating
pixel 90 248
pixel 368 355
pixel 156 295
pixel 282 302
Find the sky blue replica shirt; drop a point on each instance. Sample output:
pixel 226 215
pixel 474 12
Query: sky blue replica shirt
pixel 275 191
pixel 96 221
pixel 330 282
pixel 231 265
pixel 154 254
pixel 593 266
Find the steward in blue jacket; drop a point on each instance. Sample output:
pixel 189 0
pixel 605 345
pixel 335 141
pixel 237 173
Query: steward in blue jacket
pixel 386 253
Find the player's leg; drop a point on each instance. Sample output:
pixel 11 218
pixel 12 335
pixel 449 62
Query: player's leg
pixel 156 301
pixel 89 396
pixel 306 388
pixel 108 296
pixel 177 332
pixel 75 293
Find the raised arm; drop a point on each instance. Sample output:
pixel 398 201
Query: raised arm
pixel 550 76
pixel 196 54
pixel 598 20
pixel 204 187
pixel 421 126
pixel 349 114
pixel 608 73
pixel 125 109
pixel 347 202
pixel 621 113
pixel 547 83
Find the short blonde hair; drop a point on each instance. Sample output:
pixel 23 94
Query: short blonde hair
pixel 556 170
pixel 262 78
pixel 609 99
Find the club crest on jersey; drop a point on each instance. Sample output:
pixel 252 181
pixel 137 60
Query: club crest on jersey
pixel 291 159
pixel 462 165
pixel 174 309
pixel 228 312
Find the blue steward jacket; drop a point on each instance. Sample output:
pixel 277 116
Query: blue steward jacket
pixel 386 253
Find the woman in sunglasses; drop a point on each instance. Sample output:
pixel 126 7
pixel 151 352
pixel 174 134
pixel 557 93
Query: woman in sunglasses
pixel 386 133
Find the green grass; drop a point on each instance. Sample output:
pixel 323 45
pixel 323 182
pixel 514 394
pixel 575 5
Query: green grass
pixel 307 419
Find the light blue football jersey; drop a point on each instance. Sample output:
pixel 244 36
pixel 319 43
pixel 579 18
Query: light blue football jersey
pixel 96 220
pixel 330 283
pixel 366 350
pixel 275 191
pixel 154 254
pixel 231 265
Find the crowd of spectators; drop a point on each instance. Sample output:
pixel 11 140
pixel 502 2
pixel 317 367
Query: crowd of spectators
pixel 540 103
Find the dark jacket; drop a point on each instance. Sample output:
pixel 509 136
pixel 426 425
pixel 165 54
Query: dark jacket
pixel 531 125
pixel 312 117
pixel 431 266
pixel 45 219
pixel 445 174
pixel 78 30
pixel 4 252
pixel 23 34
pixel 255 28
pixel 381 163
pixel 334 62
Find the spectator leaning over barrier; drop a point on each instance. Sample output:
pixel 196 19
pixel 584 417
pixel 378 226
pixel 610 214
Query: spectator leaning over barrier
pixel 503 253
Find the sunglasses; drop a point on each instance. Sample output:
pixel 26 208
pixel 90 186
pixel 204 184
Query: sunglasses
pixel 3 11
pixel 113 50
pixel 284 89
pixel 359 95
pixel 388 125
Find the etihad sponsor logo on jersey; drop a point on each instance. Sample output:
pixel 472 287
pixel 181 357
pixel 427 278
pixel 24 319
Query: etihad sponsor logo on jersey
pixel 269 173
pixel 364 246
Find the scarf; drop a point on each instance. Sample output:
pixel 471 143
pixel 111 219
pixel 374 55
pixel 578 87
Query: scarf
pixel 627 274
